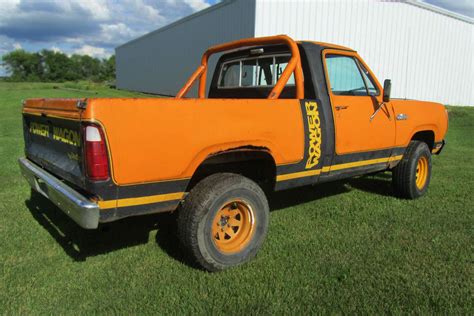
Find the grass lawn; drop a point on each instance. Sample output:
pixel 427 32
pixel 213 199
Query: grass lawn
pixel 344 247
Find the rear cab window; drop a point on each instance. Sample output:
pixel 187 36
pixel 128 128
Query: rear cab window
pixel 262 71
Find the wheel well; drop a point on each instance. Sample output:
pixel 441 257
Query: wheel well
pixel 425 136
pixel 257 165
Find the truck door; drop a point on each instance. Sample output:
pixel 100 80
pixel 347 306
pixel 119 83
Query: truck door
pixel 355 95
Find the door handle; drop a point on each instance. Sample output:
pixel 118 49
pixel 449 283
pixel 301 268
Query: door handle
pixel 341 107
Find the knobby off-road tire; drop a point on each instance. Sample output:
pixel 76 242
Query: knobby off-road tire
pixel 411 177
pixel 223 221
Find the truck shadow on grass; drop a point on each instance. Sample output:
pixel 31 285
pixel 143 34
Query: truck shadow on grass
pixel 379 183
pixel 80 244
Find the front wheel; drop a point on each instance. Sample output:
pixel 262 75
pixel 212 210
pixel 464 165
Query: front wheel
pixel 223 221
pixel 412 175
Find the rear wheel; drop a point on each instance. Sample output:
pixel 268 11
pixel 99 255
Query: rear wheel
pixel 412 175
pixel 223 221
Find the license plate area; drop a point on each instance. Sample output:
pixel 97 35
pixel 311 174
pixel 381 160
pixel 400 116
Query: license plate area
pixel 56 145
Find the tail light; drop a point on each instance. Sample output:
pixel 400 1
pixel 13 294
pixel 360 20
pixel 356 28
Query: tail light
pixel 97 162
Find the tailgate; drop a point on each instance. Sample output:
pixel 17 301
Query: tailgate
pixel 53 136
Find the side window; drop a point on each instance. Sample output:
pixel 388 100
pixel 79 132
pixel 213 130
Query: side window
pixel 370 82
pixel 344 76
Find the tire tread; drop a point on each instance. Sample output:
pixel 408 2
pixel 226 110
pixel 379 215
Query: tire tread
pixel 193 208
pixel 402 177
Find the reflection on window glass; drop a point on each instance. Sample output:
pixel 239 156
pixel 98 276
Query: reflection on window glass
pixel 265 71
pixel 370 84
pixel 230 74
pixel 344 76
pixel 249 73
pixel 280 64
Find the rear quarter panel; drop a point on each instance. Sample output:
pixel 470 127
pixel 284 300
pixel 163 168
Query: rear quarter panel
pixel 421 116
pixel 153 140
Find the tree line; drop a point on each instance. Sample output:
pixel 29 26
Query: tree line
pixel 53 66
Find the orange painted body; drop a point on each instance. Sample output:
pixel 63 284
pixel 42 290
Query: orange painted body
pixel 152 140
pixel 422 116
pixel 162 139
pixel 356 133
pixel 355 111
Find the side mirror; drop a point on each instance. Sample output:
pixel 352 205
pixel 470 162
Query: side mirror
pixel 387 87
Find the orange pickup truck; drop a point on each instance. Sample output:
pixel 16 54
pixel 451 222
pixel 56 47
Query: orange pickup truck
pixel 279 114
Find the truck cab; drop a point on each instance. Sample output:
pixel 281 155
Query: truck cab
pixel 278 114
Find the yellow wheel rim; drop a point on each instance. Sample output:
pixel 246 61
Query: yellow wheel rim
pixel 421 172
pixel 233 226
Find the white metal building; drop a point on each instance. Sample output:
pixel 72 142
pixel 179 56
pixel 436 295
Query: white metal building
pixel 428 52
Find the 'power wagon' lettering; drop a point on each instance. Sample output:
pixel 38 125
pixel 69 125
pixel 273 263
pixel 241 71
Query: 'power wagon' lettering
pixel 39 129
pixel 66 136
pixel 314 126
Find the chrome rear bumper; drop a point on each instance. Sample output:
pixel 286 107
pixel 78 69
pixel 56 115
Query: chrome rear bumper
pixel 82 210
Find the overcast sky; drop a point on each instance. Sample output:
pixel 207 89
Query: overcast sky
pixel 96 27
